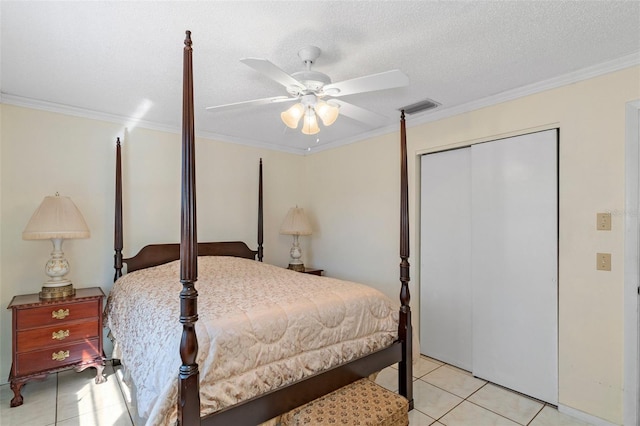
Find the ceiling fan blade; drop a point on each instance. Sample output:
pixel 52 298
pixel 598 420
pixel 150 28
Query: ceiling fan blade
pixel 272 71
pixel 360 114
pixel 368 83
pixel 255 102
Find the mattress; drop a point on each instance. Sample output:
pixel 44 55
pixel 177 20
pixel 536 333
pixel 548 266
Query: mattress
pixel 260 327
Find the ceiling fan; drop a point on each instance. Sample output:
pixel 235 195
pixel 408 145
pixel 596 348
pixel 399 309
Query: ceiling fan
pixel 316 94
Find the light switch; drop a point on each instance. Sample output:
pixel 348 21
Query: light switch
pixel 603 222
pixel 603 261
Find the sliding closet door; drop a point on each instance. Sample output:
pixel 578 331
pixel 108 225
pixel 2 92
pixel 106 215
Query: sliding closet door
pixel 445 283
pixel 514 263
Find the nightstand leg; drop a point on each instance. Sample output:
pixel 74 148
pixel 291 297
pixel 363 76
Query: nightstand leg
pixel 98 365
pixel 16 387
pixel 100 378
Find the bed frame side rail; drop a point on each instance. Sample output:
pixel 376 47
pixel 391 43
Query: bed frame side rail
pixel 279 401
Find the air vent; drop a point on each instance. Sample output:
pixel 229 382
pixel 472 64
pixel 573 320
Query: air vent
pixel 420 106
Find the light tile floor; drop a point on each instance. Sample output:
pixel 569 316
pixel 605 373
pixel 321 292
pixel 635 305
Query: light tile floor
pixel 443 395
pixel 446 395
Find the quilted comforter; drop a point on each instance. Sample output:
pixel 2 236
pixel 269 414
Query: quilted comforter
pixel 260 327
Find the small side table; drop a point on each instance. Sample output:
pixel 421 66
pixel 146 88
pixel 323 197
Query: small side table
pixel 55 334
pixel 313 271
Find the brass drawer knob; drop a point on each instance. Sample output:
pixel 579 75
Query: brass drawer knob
pixel 60 355
pixel 60 314
pixel 60 335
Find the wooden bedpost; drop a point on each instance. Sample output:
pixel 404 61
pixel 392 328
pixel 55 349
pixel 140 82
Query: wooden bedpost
pixel 405 368
pixel 188 387
pixel 260 213
pixel 117 240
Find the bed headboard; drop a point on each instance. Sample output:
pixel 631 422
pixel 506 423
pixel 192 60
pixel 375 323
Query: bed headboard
pixel 157 254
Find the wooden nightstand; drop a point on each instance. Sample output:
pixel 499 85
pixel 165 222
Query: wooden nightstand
pixel 53 335
pixel 313 271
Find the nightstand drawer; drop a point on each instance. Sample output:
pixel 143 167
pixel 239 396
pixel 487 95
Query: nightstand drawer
pixel 57 357
pixel 55 335
pixel 50 335
pixel 52 315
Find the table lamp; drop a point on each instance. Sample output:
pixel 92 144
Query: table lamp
pixel 296 224
pixel 57 218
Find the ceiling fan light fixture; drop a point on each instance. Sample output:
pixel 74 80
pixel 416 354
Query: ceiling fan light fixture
pixel 308 87
pixel 310 123
pixel 328 112
pixel 292 116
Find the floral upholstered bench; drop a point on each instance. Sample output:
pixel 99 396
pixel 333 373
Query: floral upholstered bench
pixel 361 403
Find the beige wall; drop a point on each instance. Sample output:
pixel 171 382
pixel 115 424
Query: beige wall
pixel 351 194
pixel 355 205
pixel 44 152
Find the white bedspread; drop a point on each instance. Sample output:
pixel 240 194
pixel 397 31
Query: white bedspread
pixel 260 327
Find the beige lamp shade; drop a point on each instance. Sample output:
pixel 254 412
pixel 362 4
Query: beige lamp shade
pixel 295 223
pixel 56 217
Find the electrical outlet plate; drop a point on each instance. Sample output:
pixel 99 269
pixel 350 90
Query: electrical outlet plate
pixel 603 222
pixel 603 261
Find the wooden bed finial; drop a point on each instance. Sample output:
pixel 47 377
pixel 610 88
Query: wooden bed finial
pixel 404 212
pixel 117 241
pixel 260 213
pixel 405 370
pixel 189 377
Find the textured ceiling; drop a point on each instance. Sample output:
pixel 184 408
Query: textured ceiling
pixel 124 59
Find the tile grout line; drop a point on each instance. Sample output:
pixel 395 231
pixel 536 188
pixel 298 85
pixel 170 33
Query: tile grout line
pixel 539 401
pixel 463 400
pixel 451 393
pixel 416 378
pixel 471 402
pixel 450 410
pixel 444 390
pixel 544 404
pixel 502 415
pixel 429 372
pixel 538 413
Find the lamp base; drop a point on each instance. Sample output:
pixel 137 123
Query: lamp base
pixel 57 292
pixel 299 267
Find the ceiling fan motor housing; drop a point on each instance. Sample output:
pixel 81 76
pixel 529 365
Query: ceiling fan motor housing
pixel 309 54
pixel 314 81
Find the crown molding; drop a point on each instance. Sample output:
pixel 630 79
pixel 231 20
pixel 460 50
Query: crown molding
pixel 530 89
pixel 130 122
pixel 429 116
pixel 520 92
pixel 249 142
pixel 83 113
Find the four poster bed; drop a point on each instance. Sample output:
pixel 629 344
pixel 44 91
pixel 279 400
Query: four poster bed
pixel 248 354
